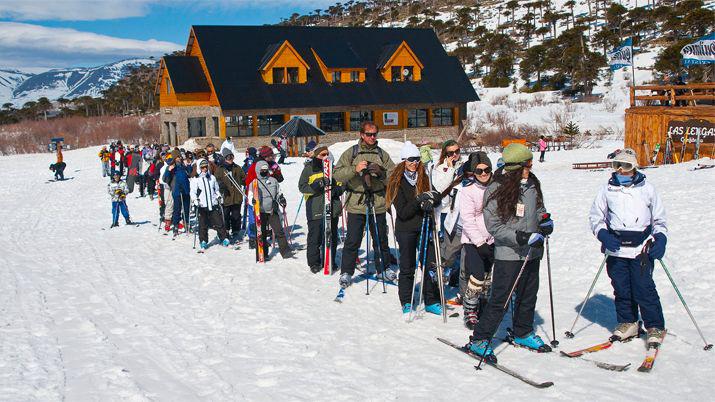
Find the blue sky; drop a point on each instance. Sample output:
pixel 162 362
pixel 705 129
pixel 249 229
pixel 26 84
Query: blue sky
pixel 36 35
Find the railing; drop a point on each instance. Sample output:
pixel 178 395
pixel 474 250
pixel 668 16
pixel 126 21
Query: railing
pixel 673 95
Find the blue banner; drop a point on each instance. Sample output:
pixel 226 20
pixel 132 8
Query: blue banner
pixel 622 56
pixel 701 51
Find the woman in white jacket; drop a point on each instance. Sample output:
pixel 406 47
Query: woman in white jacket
pixel 444 175
pixel 206 197
pixel 628 218
pixel 477 243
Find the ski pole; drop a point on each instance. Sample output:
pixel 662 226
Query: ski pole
pixel 708 346
pixel 418 261
pixel 285 226
pixel 394 235
pixel 196 212
pixel 425 250
pixel 440 273
pixel 569 334
pixel 422 254
pixel 367 249
pixel 554 342
pixel 297 213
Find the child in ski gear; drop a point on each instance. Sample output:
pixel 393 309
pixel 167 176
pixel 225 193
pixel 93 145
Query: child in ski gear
pixel 408 190
pixel 206 198
pixel 271 198
pixel 514 214
pixel 229 175
pixel 478 242
pixel 313 184
pixel 117 189
pixel 542 148
pixel 363 168
pixel 104 157
pixel 628 218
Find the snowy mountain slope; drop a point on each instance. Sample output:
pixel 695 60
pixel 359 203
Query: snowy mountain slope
pixel 72 82
pixel 9 80
pixel 92 314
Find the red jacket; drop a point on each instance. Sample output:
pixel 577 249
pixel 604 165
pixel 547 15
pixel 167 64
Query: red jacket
pixel 275 171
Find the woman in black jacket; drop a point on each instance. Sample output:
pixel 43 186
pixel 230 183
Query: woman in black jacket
pixel 408 190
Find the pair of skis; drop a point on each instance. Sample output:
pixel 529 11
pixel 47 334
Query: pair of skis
pixel 645 367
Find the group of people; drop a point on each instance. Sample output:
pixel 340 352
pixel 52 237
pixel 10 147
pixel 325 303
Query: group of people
pixel 491 224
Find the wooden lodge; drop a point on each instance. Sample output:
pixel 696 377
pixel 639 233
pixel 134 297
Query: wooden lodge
pixel 247 81
pixel 685 113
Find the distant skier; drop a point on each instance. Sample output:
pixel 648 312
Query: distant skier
pixel 59 166
pixel 206 198
pixel 628 218
pixel 104 157
pixel 117 189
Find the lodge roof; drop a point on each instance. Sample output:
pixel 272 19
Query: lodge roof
pixel 186 74
pixel 233 55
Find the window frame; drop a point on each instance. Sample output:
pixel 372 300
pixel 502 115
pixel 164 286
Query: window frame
pixel 274 121
pixel 282 71
pixel 328 117
pixel 355 76
pixel 333 76
pixel 356 122
pixel 438 117
pixel 288 79
pixel 168 85
pixel 414 120
pixel 202 127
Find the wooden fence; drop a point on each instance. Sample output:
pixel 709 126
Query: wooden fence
pixel 673 95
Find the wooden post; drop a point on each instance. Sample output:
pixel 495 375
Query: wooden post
pixel 633 96
pixel 672 96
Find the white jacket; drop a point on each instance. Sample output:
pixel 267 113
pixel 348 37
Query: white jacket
pixel 230 146
pixel 628 208
pixel 205 189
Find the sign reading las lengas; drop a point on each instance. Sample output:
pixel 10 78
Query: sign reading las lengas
pixel 677 130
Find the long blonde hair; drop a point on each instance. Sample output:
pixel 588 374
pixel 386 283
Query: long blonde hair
pixel 393 183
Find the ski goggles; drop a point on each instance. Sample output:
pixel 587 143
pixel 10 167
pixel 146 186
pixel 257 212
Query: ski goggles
pixel 624 166
pixel 413 159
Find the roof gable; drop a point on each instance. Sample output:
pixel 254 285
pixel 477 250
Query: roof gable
pixel 186 74
pixel 275 51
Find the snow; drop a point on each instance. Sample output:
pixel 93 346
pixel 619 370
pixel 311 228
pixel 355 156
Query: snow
pixel 93 314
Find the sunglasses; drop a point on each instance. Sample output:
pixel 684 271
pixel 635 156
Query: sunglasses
pixel 624 166
pixel 479 171
pixel 323 155
pixel 413 159
pixel 452 153
pixel 370 134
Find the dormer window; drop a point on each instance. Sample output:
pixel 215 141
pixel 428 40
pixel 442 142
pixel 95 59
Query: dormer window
pixel 339 63
pixel 281 64
pixel 292 75
pixel 355 76
pixel 399 63
pixel 279 75
pixel 335 77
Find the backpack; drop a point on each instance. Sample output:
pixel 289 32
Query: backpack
pixel 356 151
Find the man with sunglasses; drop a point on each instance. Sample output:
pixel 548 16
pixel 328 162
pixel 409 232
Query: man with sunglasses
pixel 364 169
pixel 628 218
pixel 230 174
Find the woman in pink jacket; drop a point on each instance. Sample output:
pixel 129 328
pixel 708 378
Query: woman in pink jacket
pixel 477 242
pixel 542 148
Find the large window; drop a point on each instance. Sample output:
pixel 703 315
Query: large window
pixel 443 117
pixel 359 116
pixel 332 121
pixel 267 124
pixel 417 118
pixel 400 73
pixel 239 126
pixel 335 76
pixel 278 75
pixel 355 76
pixel 396 72
pixel 197 126
pixel 292 74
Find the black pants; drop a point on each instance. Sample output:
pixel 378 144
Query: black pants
pixel 150 184
pixel 273 221
pixel 409 242
pixel 131 181
pixel 478 260
pixel 503 278
pixel 316 237
pixel 232 218
pixel 541 156
pixel 212 218
pixel 356 230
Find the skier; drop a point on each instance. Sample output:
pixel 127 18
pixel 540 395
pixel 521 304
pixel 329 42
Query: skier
pixel 542 148
pixel 408 190
pixel 206 198
pixel 364 168
pixel 270 197
pixel 628 218
pixel 59 166
pixel 117 189
pixel 134 170
pixel 313 184
pixel 282 149
pixel 177 174
pixel 104 157
pixel 119 161
pixel 232 197
pixel 227 144
pixel 166 201
pixel 515 215
pixel 478 244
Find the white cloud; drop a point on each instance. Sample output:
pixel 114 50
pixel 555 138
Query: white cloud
pixel 34 45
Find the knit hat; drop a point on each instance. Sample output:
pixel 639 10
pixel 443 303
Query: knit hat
pixel 320 149
pixel 203 163
pixel 626 155
pixel 475 159
pixel 226 152
pixel 261 165
pixel 311 145
pixel 409 150
pixel 251 151
pixel 265 151
pixel 514 155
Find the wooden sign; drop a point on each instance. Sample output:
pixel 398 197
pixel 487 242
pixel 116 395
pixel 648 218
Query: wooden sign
pixel 678 129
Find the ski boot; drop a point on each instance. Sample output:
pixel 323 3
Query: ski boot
pixel 252 244
pixel 203 245
pixel 287 254
pixel 345 280
pixel 167 226
pixel 471 317
pixel 482 348
pixel 434 308
pixel 406 308
pixel 316 268
pixel 114 225
pixel 129 221
pixel 389 275
pixel 655 337
pixel 625 332
pixel 226 242
pixel 533 342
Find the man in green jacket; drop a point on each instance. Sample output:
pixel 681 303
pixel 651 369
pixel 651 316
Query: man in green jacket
pixel 364 169
pixel 230 175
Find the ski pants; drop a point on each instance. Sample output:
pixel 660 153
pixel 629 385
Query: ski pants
pixel 409 242
pixel 212 218
pixel 168 203
pixel 356 230
pixel 60 171
pixel 633 287
pixel 131 181
pixel 541 156
pixel 232 218
pixel 452 253
pixel 316 238
pixel 150 184
pixel 118 206
pixel 503 278
pixel 273 221
pixel 105 169
pixel 179 201
pixel 477 262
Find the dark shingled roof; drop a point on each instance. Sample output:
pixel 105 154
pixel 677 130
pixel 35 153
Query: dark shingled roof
pixel 233 55
pixel 297 127
pixel 186 74
pixel 268 55
pixel 338 55
pixel 387 52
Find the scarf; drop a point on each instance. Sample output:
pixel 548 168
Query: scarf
pixel 411 177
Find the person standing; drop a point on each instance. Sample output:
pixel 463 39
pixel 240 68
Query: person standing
pixel 364 168
pixel 134 170
pixel 271 197
pixel 477 242
pixel 206 198
pixel 229 175
pixel 227 144
pixel 166 200
pixel 408 190
pixel 313 184
pixel 282 149
pixel 117 189
pixel 542 148
pixel 515 215
pixel 628 218
pixel 178 174
pixel 104 157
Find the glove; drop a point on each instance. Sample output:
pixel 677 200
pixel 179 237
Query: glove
pixel 610 242
pixel 657 249
pixel 196 203
pixel 318 186
pixel 427 206
pixel 219 199
pixel 336 192
pixel 282 201
pixel 427 200
pixel 546 225
pixel 532 239
pixel 374 169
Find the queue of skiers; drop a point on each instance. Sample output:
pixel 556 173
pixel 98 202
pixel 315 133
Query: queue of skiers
pixel 482 229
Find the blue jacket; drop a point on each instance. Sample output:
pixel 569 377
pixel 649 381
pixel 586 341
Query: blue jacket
pixel 179 179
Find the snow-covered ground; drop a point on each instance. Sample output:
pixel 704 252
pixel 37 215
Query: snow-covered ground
pixel 88 313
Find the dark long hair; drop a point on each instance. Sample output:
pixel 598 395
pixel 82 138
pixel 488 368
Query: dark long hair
pixel 443 153
pixel 508 193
